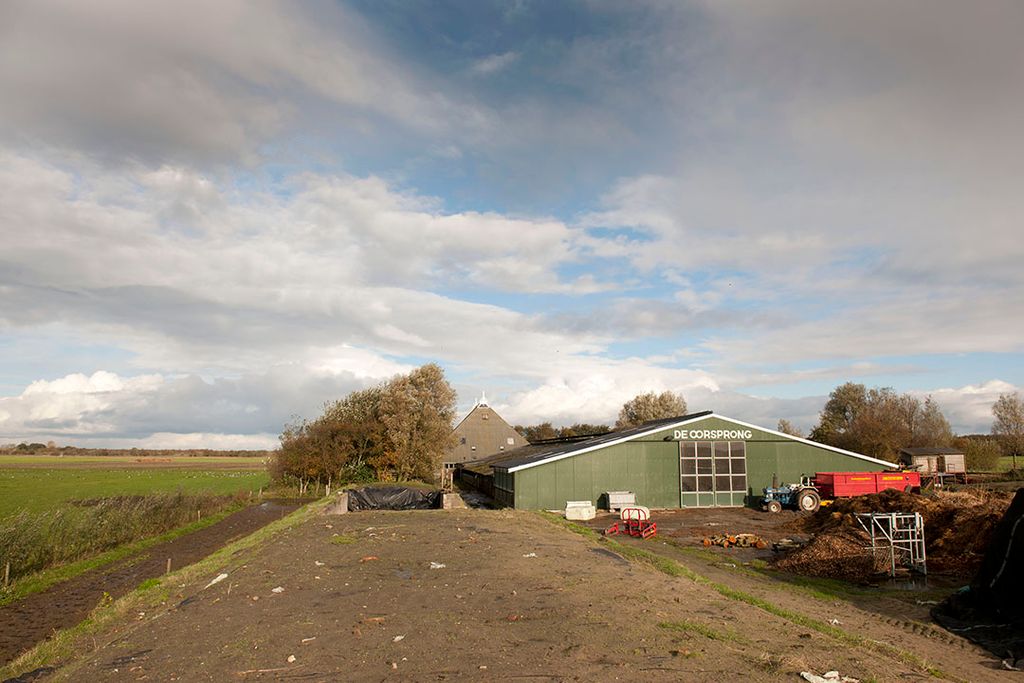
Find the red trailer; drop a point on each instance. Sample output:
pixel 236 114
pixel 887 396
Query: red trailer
pixel 849 484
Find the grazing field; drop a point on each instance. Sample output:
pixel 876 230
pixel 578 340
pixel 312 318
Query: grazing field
pixel 37 489
pixel 133 461
pixel 1006 463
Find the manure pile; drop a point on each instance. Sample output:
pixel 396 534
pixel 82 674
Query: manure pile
pixel 957 528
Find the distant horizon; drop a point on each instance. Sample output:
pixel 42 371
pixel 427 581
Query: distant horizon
pixel 216 217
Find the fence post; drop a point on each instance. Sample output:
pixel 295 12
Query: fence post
pixel 168 566
pixel 7 574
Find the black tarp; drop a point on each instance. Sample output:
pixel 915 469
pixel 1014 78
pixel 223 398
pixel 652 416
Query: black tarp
pixel 990 612
pixel 393 498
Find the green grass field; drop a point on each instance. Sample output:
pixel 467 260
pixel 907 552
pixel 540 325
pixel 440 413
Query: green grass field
pixel 1006 463
pixel 135 461
pixel 37 489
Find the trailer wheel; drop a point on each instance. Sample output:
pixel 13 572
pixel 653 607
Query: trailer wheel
pixel 808 501
pixel 774 506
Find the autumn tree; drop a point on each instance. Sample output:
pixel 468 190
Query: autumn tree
pixel 398 430
pixel 650 406
pixel 879 421
pixel 544 430
pixel 538 432
pixel 417 411
pixel 931 427
pixel 583 429
pixel 836 422
pixel 786 427
pixel 1008 411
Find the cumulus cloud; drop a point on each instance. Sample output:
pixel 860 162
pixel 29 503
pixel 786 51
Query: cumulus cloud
pixel 175 411
pixel 758 196
pixel 493 63
pixel 196 80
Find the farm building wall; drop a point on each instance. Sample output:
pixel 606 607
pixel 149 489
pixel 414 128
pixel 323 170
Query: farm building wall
pixel 650 467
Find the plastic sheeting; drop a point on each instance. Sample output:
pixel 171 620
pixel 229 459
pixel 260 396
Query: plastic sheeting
pixel 990 611
pixel 392 498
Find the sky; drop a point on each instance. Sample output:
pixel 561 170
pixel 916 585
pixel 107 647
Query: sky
pixel 215 217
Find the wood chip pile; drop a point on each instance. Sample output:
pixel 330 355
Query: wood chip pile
pixel 958 528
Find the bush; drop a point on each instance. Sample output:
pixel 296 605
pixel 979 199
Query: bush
pixel 982 455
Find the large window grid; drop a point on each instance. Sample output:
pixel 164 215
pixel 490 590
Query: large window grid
pixel 713 467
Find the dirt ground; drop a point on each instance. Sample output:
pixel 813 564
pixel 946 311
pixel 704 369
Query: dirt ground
pixel 33 619
pixel 504 595
pixel 691 526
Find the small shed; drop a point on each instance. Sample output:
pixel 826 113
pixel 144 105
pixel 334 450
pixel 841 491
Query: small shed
pixel 934 460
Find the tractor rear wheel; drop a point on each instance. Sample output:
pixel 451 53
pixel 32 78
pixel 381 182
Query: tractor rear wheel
pixel 774 506
pixel 808 501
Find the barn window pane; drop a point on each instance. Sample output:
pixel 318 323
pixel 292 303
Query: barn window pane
pixel 689 466
pixel 704 466
pixel 688 484
pixel 722 482
pixel 703 449
pixel 704 483
pixel 739 484
pixel 721 465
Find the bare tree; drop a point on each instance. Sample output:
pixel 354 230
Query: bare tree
pixel 786 427
pixel 650 406
pixel 1008 411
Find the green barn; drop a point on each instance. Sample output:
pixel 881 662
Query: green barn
pixel 697 460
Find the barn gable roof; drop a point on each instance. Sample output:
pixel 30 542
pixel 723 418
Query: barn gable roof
pixel 542 453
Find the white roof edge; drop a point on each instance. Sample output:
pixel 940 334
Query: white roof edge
pixel 562 456
pixel 860 456
pixel 671 425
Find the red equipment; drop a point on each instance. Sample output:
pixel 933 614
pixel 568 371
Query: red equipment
pixel 849 484
pixel 635 522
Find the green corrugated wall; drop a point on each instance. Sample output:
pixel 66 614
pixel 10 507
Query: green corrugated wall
pixel 650 468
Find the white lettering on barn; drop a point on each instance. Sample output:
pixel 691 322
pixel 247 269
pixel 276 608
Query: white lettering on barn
pixel 711 434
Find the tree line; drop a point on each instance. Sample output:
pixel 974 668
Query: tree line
pixel 634 412
pixel 398 430
pixel 401 429
pixel 879 422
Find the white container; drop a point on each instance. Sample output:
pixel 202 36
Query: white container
pixel 635 512
pixel 620 499
pixel 580 510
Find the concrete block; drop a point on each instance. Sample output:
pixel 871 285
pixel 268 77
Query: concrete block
pixel 580 510
pixel 339 506
pixel 452 501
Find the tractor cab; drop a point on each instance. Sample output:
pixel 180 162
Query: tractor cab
pixel 803 496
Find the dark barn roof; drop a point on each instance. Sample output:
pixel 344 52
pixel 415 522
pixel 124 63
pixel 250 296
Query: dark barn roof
pixel 932 450
pixel 551 448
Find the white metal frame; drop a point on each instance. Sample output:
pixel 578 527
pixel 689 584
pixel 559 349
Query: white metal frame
pixel 898 534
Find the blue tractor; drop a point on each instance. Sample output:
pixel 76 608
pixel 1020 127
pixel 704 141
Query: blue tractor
pixel 803 496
